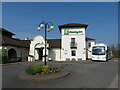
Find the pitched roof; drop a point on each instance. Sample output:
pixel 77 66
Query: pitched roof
pixel 54 43
pixel 72 25
pixel 6 31
pixel 15 42
pixel 87 39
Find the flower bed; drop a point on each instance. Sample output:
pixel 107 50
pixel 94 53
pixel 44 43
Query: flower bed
pixel 43 72
pixel 42 69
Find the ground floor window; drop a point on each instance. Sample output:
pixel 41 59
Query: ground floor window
pixel 73 52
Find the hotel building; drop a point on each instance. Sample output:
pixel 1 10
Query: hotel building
pixel 73 45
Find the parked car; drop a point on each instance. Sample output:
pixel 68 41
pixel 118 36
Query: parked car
pixel 114 56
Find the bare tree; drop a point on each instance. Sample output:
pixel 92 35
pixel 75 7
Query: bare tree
pixel 113 47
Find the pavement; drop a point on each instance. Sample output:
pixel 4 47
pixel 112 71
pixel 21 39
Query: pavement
pixel 83 74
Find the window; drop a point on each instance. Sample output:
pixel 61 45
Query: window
pixel 98 50
pixel 89 44
pixel 73 44
pixel 73 53
pixel 72 39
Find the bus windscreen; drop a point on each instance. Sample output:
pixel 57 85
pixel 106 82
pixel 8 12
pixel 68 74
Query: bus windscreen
pixel 98 50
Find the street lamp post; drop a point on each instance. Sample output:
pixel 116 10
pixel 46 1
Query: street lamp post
pixel 48 26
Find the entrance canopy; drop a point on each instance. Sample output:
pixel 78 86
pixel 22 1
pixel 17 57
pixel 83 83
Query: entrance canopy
pixel 37 47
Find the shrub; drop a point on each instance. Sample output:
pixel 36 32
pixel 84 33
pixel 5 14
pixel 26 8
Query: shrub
pixel 17 59
pixel 89 59
pixel 37 68
pixel 30 71
pixel 34 69
pixel 41 69
pixel 46 69
pixel 3 55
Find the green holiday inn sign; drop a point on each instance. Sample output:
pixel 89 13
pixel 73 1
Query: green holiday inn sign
pixel 66 31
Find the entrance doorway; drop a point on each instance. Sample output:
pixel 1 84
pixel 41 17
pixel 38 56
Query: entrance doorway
pixel 40 53
pixel 12 53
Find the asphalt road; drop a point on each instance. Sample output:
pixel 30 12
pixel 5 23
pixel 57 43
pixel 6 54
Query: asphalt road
pixel 85 74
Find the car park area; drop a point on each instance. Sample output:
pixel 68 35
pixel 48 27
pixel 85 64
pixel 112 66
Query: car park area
pixel 83 74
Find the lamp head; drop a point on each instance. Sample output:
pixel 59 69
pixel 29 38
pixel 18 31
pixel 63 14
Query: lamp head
pixel 48 29
pixel 42 25
pixel 52 27
pixel 38 28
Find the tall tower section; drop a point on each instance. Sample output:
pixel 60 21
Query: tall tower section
pixel 73 42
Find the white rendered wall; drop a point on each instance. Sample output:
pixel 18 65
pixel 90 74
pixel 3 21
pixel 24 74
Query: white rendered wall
pixel 55 54
pixel 25 52
pixel 89 54
pixel 21 51
pixel 81 44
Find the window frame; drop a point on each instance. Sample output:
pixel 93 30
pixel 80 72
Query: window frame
pixel 73 52
pixel 89 44
pixel 72 39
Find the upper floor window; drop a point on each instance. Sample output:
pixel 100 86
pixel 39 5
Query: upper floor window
pixel 73 44
pixel 72 39
pixel 89 44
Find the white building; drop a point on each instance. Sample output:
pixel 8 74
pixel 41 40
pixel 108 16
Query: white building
pixel 73 41
pixel 73 45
